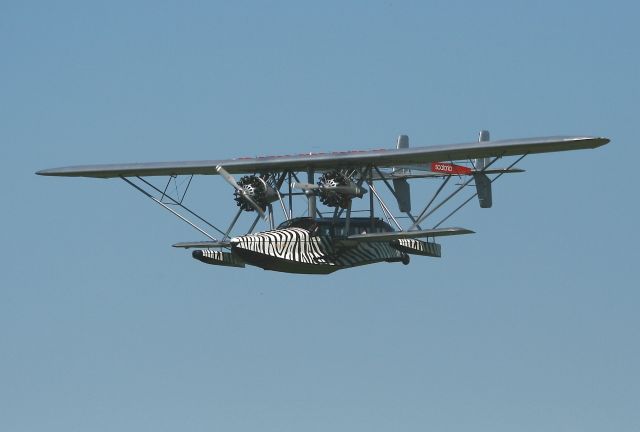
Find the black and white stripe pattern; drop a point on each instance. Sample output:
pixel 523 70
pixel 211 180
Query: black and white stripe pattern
pixel 297 245
pixel 417 247
pixel 215 257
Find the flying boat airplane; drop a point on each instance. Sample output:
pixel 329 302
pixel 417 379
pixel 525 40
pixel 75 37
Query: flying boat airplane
pixel 321 242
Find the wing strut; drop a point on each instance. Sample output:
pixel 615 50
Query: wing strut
pixel 416 222
pixel 407 198
pixel 384 207
pixel 178 203
pixel 476 194
pixel 144 192
pixel 425 215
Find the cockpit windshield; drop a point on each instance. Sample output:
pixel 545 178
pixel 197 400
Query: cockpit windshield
pixel 304 223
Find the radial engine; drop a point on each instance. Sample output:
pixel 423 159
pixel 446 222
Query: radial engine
pixel 258 189
pixel 335 189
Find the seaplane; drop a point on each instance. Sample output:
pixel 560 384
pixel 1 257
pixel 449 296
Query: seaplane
pixel 332 234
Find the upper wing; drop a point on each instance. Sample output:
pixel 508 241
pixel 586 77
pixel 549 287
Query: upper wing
pixel 324 161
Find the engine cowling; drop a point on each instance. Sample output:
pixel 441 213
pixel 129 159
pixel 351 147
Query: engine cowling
pixel 258 190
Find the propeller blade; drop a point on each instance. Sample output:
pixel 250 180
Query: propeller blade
pixel 229 178
pixel 253 204
pixel 232 181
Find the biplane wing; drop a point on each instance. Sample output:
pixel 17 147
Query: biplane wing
pixel 336 160
pixel 202 244
pixel 397 235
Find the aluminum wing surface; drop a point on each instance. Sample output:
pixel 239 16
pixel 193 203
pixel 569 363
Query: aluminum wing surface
pixel 397 235
pixel 326 161
pixel 202 244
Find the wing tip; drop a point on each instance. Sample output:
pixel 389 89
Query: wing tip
pixel 459 230
pixel 595 141
pixel 60 172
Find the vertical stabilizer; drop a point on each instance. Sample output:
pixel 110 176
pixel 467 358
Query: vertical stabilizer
pixel 401 186
pixel 403 142
pixel 483 184
pixel 480 163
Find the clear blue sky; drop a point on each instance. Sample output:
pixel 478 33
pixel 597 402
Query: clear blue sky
pixel 531 324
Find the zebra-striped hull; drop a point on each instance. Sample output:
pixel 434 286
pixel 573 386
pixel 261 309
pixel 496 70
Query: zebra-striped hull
pixel 294 250
pixel 267 262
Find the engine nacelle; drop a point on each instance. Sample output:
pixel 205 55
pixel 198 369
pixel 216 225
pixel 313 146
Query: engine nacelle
pixel 258 190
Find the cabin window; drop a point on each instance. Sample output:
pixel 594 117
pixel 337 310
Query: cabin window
pixel 304 223
pixel 327 227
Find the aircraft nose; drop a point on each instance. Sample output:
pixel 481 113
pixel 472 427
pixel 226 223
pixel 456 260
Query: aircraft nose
pixel 197 254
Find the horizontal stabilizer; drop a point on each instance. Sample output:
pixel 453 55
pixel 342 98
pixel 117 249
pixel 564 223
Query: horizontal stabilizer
pixel 389 236
pixel 417 247
pixel 218 258
pixel 202 244
pixel 501 170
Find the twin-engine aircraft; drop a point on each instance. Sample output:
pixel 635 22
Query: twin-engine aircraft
pixel 327 236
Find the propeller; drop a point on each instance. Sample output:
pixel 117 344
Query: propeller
pixel 232 181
